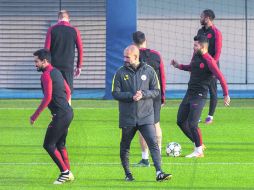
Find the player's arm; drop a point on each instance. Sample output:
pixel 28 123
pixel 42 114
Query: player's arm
pixel 67 90
pixel 47 90
pixel 212 64
pixel 48 39
pixel 79 46
pixel 183 67
pixel 218 45
pixel 117 90
pixel 163 81
pixel 154 86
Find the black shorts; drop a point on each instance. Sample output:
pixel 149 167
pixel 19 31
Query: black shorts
pixel 157 109
pixel 68 76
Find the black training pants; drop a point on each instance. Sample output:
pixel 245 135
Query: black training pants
pixel 188 116
pixel 213 96
pixel 55 138
pixel 148 132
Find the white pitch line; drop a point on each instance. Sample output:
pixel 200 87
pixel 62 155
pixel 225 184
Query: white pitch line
pixel 115 163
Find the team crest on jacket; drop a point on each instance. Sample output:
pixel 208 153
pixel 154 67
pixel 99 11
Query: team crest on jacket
pixel 126 77
pixel 143 77
pixel 209 36
pixel 201 65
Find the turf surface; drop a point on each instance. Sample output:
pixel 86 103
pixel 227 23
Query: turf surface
pixel 93 144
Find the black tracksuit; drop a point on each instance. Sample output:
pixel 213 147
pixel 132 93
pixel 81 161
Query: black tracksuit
pixel 61 40
pixel 56 95
pixel 202 68
pixel 153 58
pixel 215 43
pixel 136 115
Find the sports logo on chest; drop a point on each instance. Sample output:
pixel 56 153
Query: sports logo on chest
pixel 126 77
pixel 201 65
pixel 143 77
pixel 209 35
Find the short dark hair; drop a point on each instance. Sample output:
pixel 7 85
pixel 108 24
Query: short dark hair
pixel 201 38
pixel 209 13
pixel 43 54
pixel 62 12
pixel 138 37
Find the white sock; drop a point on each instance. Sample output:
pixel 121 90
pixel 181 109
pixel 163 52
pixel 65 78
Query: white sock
pixel 210 116
pixel 158 172
pixel 66 171
pixel 199 149
pixel 145 155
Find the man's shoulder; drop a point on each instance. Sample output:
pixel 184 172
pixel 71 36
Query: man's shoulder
pixel 155 52
pixel 201 30
pixel 151 52
pixel 120 69
pixel 149 68
pixel 63 25
pixel 215 29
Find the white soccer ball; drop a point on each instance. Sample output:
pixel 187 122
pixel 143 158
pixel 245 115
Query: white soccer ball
pixel 173 149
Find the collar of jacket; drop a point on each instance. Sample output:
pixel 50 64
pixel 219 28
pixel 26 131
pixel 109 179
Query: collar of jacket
pixel 141 64
pixel 206 29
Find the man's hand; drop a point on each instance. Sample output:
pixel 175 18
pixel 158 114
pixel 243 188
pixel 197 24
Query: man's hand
pixel 174 63
pixel 163 102
pixel 204 49
pixel 77 72
pixel 226 100
pixel 138 96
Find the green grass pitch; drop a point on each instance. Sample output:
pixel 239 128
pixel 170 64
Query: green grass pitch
pixel 93 145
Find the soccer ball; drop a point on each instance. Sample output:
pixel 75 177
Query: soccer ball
pixel 173 149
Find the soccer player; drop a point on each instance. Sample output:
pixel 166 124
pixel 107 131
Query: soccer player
pixel 215 43
pixel 202 68
pixel 56 95
pixel 135 85
pixel 61 40
pixel 152 58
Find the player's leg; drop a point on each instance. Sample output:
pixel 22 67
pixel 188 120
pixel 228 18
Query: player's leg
pixel 157 111
pixel 196 106
pixel 53 134
pixel 148 132
pixel 158 132
pixel 182 117
pixel 213 100
pixel 62 141
pixel 127 135
pixel 144 162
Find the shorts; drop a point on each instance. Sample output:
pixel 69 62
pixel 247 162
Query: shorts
pixel 68 76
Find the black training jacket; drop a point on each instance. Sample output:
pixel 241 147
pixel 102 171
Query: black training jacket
pixel 126 83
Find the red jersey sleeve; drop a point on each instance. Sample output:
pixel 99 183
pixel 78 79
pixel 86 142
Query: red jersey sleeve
pixel 47 91
pixel 212 64
pixel 218 44
pixel 186 67
pixel 163 82
pixel 48 39
pixel 80 49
